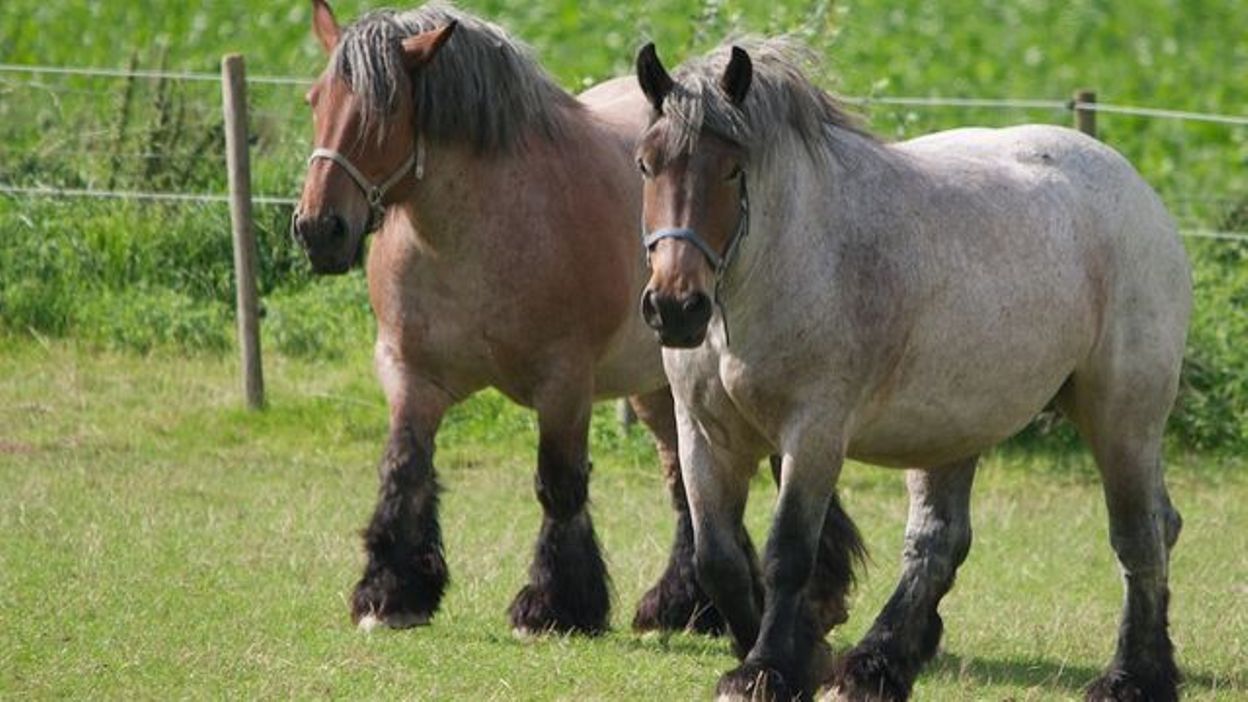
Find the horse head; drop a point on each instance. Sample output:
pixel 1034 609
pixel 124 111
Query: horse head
pixel 368 152
pixel 695 203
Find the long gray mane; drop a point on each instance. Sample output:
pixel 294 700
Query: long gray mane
pixel 483 86
pixel 780 96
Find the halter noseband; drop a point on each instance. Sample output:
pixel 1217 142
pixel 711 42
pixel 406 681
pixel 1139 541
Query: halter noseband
pixel 718 263
pixel 376 194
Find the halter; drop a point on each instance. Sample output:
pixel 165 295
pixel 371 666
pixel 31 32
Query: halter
pixel 718 263
pixel 376 194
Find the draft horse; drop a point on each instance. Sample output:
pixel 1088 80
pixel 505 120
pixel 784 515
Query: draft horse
pixel 504 256
pixel 499 260
pixel 823 295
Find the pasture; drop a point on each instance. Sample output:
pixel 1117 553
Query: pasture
pixel 158 541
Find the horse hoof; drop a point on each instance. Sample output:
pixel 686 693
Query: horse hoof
pixel 534 613
pixel 393 620
pixel 385 597
pixel 867 676
pixel 1121 686
pixel 670 607
pixel 752 682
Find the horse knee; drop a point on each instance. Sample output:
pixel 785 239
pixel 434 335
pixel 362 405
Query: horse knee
pixel 407 461
pixel 1139 553
pixel 561 483
pixel 1172 523
pixel 960 537
pixel 790 557
pixel 720 564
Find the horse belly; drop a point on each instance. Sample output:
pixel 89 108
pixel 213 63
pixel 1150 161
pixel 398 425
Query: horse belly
pixel 958 390
pixel 958 417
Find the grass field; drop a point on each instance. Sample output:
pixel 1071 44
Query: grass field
pixel 157 542
pixel 140 277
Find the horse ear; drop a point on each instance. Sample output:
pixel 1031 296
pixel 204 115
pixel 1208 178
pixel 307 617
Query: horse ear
pixel 324 25
pixel 653 77
pixel 420 49
pixel 736 80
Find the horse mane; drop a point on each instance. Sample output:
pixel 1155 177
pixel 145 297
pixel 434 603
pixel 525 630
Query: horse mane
pixel 780 95
pixel 483 86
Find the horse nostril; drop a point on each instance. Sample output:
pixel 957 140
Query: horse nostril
pixel 697 306
pixel 338 227
pixel 650 310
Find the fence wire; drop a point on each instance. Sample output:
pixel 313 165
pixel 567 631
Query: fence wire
pixel 864 100
pixel 96 151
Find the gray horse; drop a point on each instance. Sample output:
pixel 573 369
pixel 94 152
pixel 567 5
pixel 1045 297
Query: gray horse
pixel 905 305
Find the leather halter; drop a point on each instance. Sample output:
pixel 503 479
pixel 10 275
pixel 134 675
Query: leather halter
pixel 376 194
pixel 719 263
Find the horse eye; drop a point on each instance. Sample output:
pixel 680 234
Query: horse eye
pixel 735 172
pixel 641 166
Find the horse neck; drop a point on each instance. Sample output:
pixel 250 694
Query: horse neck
pixel 466 197
pixel 802 210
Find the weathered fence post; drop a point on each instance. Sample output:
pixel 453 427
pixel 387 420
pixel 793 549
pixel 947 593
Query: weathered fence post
pixel 238 163
pixel 624 413
pixel 1085 118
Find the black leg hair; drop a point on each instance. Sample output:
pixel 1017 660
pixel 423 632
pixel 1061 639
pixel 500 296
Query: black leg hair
pixel 907 632
pixel 568 589
pixel 406 574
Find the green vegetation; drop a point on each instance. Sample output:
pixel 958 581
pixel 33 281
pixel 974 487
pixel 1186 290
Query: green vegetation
pixel 142 276
pixel 158 542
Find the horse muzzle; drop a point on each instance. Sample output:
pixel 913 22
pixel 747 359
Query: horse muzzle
pixel 327 241
pixel 680 322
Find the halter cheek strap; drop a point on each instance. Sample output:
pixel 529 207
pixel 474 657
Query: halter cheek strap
pixel 376 194
pixel 718 263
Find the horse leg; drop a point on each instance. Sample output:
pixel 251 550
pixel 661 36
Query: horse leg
pixel 567 589
pixel 717 484
pixel 1124 429
pixel 789 657
pixel 1143 528
pixel 884 665
pixel 840 547
pixel 676 602
pixel 406 573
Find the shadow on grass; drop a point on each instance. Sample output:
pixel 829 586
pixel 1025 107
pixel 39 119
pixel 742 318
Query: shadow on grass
pixel 1056 674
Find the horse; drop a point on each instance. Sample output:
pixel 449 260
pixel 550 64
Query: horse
pixel 906 304
pixel 499 261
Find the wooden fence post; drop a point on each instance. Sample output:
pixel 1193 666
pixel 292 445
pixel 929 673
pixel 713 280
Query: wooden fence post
pixel 1085 119
pixel 624 413
pixel 234 104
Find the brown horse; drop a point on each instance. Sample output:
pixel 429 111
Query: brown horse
pixel 505 256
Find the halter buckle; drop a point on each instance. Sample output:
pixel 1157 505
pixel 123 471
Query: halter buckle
pixel 376 194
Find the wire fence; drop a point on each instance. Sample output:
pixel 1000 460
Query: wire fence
pixel 897 101
pixel 175 146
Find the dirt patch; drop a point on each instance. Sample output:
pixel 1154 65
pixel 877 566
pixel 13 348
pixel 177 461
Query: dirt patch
pixel 10 448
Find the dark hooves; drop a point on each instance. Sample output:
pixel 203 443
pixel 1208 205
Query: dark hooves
pixel 867 676
pixel 1120 686
pixel 535 612
pixel 670 607
pixel 751 682
pixel 382 602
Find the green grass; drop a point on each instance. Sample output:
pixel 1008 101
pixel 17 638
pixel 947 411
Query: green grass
pixel 141 277
pixel 157 541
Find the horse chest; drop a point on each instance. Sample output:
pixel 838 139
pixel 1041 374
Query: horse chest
pixel 748 391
